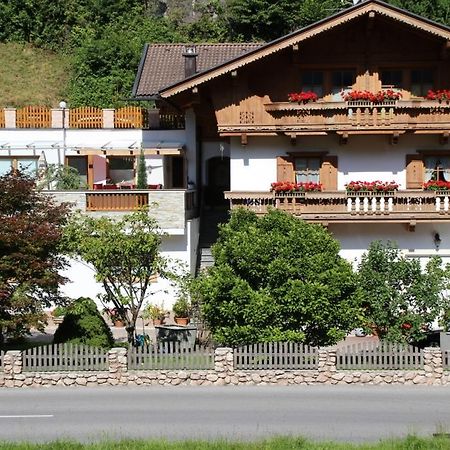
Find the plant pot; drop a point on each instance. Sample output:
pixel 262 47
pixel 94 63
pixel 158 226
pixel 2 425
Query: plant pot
pixel 181 320
pixel 119 324
pixel 157 321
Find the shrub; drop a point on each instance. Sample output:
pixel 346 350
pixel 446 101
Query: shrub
pixel 83 324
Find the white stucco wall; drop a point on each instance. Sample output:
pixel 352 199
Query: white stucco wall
pixel 369 158
pixel 181 250
pixel 356 238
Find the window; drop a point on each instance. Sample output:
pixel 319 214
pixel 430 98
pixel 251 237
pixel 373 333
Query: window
pixel 313 81
pixel 421 81
pixel 392 77
pixel 121 169
pixel 28 166
pixel 342 79
pixel 307 169
pixel 437 168
pixel 81 165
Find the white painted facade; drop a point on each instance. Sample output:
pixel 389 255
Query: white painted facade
pixel 179 243
pixel 363 158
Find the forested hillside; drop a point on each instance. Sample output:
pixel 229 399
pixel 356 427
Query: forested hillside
pixel 100 41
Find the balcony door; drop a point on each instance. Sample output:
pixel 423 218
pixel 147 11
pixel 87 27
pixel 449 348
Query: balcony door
pixel 218 181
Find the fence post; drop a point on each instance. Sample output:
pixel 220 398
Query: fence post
pixel 223 360
pixel 10 117
pixel 117 361
pixel 432 364
pixel 326 364
pixel 12 364
pixel 57 117
pixel 108 118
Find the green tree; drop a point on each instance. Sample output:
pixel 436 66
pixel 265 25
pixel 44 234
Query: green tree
pixel 124 254
pixel 142 172
pixel 277 278
pixel 30 264
pixel 83 324
pixel 61 178
pixel 400 298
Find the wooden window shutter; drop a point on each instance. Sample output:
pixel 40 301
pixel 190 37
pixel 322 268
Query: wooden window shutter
pixel 414 171
pixel 329 173
pixel 285 168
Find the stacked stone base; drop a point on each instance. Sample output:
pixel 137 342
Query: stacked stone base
pixel 223 374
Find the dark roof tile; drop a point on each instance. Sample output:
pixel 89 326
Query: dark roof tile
pixel 163 64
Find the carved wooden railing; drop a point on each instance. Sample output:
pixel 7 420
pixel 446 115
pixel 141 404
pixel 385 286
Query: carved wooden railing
pixel 350 116
pixel 339 206
pixel 33 117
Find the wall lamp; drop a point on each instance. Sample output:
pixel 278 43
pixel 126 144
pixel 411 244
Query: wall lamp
pixel 437 240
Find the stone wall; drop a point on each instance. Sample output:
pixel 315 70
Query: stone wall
pixel 224 373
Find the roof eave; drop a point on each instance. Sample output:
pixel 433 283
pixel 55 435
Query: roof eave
pixel 296 36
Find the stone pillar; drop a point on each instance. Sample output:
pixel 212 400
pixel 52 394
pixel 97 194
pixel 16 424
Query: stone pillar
pixel 108 118
pixel 326 365
pixel 224 360
pixel 57 117
pixel 432 365
pixel 10 117
pixel 117 361
pixel 12 364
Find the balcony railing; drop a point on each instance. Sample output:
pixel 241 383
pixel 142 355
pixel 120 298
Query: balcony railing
pixel 334 207
pixel 355 116
pixel 170 207
pixel 128 117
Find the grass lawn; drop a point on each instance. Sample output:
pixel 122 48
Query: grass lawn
pixel 410 443
pixel 31 76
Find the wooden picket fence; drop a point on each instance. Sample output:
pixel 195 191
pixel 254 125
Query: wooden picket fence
pixel 131 117
pixel 57 357
pixel 86 117
pixel 379 355
pixel 34 117
pixel 276 355
pixel 2 118
pixel 171 355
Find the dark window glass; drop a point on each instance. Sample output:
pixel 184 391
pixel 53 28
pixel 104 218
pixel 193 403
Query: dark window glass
pixel 342 79
pixel 313 81
pixel 421 81
pixel 391 78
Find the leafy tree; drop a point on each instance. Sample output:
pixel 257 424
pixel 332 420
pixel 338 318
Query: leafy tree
pixel 124 254
pixel 142 172
pixel 62 178
pixel 277 278
pixel 30 231
pixel 83 324
pixel 401 299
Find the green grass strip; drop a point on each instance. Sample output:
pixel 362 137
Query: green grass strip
pixel 281 443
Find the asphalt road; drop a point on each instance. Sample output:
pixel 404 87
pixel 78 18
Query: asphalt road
pixel 344 413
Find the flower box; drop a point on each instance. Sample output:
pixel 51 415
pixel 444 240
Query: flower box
pixel 385 97
pixel 371 188
pixel 284 188
pixel 438 186
pixel 442 95
pixel 302 97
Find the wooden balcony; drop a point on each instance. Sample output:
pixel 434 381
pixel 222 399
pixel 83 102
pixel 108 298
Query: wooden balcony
pixel 356 117
pixel 170 207
pixel 411 207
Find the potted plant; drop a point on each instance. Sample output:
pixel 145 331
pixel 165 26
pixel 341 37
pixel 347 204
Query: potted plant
pixel 114 317
pixel 155 313
pixel 442 95
pixel 182 310
pixel 376 187
pixel 436 185
pixel 302 97
pixel 288 187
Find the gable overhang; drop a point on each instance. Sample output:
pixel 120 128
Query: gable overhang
pixel 371 7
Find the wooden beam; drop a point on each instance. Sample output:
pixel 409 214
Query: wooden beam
pixel 394 138
pixel 293 139
pixel 411 226
pixel 244 140
pixel 343 138
pixel 443 138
